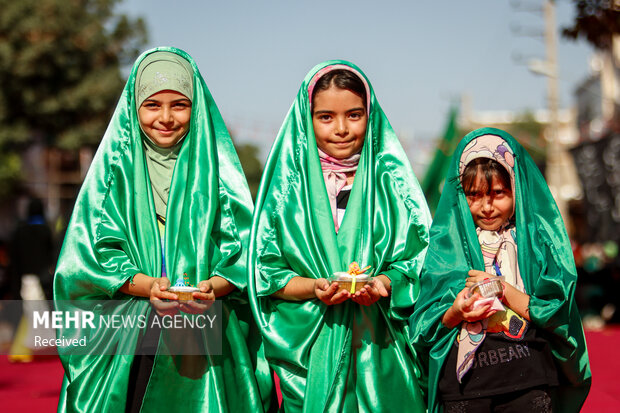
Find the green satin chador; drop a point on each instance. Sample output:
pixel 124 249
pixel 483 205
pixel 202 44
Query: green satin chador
pixel 113 235
pixel 546 266
pixel 346 357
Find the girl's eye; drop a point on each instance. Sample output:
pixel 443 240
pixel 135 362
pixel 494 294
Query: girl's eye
pixel 181 105
pixel 324 117
pixel 355 115
pixel 150 105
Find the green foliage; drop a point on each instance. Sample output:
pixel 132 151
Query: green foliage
pixel 596 21
pixel 251 165
pixel 10 173
pixel 60 69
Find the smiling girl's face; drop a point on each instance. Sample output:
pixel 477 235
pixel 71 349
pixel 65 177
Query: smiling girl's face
pixel 165 117
pixel 339 120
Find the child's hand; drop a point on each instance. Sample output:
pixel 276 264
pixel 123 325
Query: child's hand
pixel 207 293
pixel 477 276
pixel 327 292
pixel 159 293
pixel 206 297
pixel 463 310
pixel 371 292
pixel 465 307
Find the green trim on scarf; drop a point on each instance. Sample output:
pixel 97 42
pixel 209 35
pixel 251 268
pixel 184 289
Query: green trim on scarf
pixel 163 70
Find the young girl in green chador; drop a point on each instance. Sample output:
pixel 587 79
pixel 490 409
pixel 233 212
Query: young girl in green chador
pixel 164 202
pixel 338 189
pixel 496 313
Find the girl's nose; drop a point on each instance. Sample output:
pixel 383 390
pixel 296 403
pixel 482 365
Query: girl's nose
pixel 166 115
pixel 487 204
pixel 341 128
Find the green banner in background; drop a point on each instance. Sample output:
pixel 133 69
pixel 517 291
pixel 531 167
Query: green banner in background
pixel 437 169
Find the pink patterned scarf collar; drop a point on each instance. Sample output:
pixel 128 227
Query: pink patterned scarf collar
pixel 335 175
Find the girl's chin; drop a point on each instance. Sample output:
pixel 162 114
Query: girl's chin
pixel 165 141
pixel 340 152
pixel 489 225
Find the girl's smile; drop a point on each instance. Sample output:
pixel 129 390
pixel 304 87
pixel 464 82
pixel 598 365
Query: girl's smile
pixel 339 120
pixel 165 117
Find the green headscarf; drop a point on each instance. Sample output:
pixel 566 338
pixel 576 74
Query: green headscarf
pixel 162 70
pixel 311 345
pixel 546 266
pixel 113 235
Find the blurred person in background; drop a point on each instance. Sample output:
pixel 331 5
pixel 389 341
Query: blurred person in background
pixel 32 254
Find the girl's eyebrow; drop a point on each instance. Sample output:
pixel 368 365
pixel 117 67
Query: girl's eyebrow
pixel 331 111
pixel 173 101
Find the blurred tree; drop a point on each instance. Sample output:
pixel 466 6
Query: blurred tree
pixel 251 165
pixel 596 21
pixel 60 64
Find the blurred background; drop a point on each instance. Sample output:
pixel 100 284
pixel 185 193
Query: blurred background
pixel 546 71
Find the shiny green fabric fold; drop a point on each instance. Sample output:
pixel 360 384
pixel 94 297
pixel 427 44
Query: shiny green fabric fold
pixel 545 262
pixel 344 357
pixel 113 235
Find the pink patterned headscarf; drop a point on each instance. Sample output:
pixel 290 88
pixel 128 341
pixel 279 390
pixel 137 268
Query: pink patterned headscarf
pixel 328 69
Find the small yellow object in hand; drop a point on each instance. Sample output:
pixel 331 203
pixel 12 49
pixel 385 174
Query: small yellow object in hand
pixel 355 270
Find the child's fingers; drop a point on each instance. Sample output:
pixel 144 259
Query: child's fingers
pixel 164 295
pixel 489 313
pixel 340 297
pixel 323 284
pixel 364 293
pixel 477 276
pixel 469 301
pixel 159 290
pixel 462 295
pixel 205 286
pixel 165 307
pixel 383 292
pixel 479 313
pixel 476 273
pixel 331 289
pixel 204 296
pixel 164 283
pixel 362 299
pixel 195 307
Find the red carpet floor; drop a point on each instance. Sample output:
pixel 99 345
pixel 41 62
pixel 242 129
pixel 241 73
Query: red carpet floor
pixel 30 387
pixel 605 365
